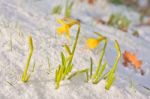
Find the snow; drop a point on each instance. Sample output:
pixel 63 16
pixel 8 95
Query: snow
pixel 21 18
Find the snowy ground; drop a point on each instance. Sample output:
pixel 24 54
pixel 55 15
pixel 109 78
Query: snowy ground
pixel 21 18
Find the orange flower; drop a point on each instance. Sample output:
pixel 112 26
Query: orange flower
pixel 132 59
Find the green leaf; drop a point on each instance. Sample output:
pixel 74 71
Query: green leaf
pixel 100 60
pixel 69 69
pixel 91 66
pixel 110 81
pixel 66 66
pixel 63 59
pixel 111 75
pixel 25 76
pixel 67 49
pixel 118 56
pixel 96 80
pixel 56 75
pixel 78 72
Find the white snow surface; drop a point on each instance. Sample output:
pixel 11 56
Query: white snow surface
pixel 21 18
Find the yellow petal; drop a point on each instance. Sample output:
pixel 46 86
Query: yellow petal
pixel 61 21
pixel 67 32
pixel 92 43
pixel 61 30
pixel 66 25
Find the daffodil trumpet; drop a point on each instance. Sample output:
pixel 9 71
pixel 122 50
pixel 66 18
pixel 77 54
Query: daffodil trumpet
pixel 66 23
pixel 25 76
pixel 92 43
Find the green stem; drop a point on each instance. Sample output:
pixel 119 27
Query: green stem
pixel 99 75
pixel 118 57
pixel 67 65
pixel 25 76
pixel 111 74
pixel 101 58
pixel 91 67
pixel 75 44
pixel 78 72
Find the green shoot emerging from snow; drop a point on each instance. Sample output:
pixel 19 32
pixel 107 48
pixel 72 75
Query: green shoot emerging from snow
pixel 25 76
pixel 100 68
pixel 111 74
pixel 80 72
pixel 68 8
pixel 91 66
pixel 99 73
pixel 57 9
pixel 66 66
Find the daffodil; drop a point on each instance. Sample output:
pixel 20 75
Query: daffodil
pixel 66 23
pixel 94 42
pixel 65 67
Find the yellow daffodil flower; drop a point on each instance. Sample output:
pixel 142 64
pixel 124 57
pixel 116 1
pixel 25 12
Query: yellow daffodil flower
pixel 66 25
pixel 94 42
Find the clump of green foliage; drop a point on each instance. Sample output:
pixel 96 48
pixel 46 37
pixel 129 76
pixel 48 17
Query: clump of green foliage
pixel 25 76
pixel 101 67
pixel 111 74
pixel 67 9
pixel 119 21
pixel 99 73
pixel 57 9
pixel 66 65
